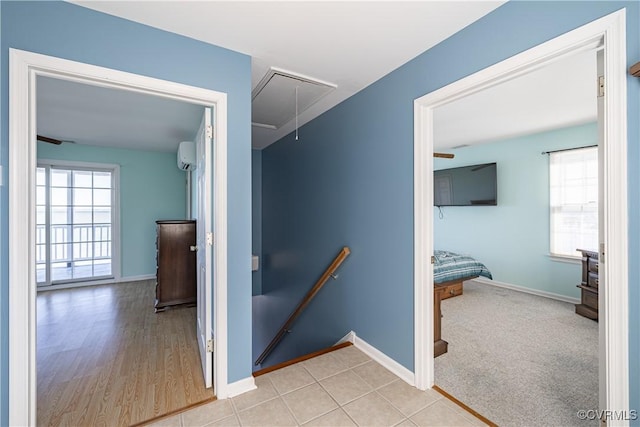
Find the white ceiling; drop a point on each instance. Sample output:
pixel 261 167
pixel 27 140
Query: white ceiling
pixel 350 44
pixel 558 95
pixel 95 115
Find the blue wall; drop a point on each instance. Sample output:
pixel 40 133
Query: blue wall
pixel 256 215
pixel 512 238
pixel 349 181
pixel 151 188
pixel 73 32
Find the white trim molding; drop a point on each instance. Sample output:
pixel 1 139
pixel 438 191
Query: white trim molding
pixel 526 290
pixel 607 33
pixel 138 278
pixel 24 68
pixel 241 386
pixel 220 220
pixel 405 374
pixel 350 337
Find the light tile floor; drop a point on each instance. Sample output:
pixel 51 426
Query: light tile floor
pixel 341 388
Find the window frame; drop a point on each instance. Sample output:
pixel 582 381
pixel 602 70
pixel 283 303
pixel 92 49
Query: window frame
pixel 115 222
pixel 563 257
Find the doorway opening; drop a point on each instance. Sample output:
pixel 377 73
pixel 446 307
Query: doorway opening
pixel 613 335
pixel 94 322
pixel 26 67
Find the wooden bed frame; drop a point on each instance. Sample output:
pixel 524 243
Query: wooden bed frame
pixel 443 291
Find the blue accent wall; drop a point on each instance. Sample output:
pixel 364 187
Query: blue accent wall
pixel 512 238
pixel 256 215
pixel 72 32
pixel 151 188
pixel 349 181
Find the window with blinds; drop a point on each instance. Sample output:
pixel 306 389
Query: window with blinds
pixel 573 180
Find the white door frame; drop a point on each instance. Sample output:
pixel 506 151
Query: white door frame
pixel 611 31
pixel 24 68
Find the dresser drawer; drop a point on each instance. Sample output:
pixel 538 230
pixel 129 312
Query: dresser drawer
pixel 590 299
pixel 592 279
pixel 593 265
pixel 452 291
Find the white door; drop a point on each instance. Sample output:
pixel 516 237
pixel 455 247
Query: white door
pixel 204 244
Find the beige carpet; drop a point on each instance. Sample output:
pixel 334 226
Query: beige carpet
pixel 519 359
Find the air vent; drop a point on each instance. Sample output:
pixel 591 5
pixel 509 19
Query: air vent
pixel 274 98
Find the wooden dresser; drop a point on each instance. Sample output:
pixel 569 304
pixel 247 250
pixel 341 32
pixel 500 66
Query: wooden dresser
pixel 175 263
pixel 588 306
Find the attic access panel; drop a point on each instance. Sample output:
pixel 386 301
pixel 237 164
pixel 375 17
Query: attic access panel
pixel 274 98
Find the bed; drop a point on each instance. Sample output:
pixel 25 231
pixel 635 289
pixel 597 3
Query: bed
pixel 449 271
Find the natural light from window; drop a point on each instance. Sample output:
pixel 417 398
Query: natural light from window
pixel 573 180
pixel 74 222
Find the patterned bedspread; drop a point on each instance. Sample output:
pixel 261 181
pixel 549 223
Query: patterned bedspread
pixel 452 266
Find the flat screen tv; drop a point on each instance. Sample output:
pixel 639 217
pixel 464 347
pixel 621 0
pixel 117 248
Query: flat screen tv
pixel 474 185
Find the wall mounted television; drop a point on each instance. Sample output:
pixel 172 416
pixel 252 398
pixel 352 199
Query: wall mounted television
pixel 474 185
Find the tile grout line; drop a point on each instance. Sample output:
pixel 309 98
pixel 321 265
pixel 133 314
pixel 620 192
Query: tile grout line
pixel 372 388
pixel 323 389
pixel 439 398
pixel 280 396
pixel 337 403
pixel 355 398
pixel 380 386
pixel 235 411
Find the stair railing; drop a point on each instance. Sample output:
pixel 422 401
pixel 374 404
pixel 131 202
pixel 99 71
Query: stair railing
pixel 286 328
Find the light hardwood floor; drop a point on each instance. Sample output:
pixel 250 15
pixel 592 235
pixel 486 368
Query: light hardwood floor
pixel 105 358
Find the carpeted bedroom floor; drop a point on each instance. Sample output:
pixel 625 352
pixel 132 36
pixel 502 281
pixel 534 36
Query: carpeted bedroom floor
pixel 519 359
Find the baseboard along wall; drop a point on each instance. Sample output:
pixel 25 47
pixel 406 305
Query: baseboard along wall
pixel 537 292
pixel 396 368
pixel 108 281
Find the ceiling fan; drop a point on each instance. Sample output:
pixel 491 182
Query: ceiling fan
pixel 444 155
pixel 52 140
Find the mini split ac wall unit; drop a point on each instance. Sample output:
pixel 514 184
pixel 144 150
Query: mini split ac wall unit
pixel 187 155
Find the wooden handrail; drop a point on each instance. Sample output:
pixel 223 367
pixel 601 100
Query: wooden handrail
pixel 329 272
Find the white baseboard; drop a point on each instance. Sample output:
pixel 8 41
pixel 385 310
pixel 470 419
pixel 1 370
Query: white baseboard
pixel 350 337
pixel 136 278
pixel 537 292
pixel 99 282
pixel 239 387
pixel 71 285
pixel 390 364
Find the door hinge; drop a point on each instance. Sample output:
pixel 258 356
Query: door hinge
pixel 209 131
pixel 209 346
pixel 210 239
pixel 600 86
pixel 601 254
pixel 433 259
